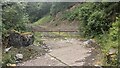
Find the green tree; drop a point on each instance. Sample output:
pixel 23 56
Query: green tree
pixel 37 10
pixel 59 6
pixel 13 16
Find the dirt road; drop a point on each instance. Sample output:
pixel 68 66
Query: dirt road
pixel 64 52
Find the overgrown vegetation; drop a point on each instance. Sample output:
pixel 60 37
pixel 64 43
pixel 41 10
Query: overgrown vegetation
pixel 110 41
pixel 29 52
pixel 99 21
pixel 13 17
pixel 37 10
pixel 60 6
pixel 45 19
pixel 38 40
pixel 16 15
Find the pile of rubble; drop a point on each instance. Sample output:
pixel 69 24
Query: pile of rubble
pixel 20 39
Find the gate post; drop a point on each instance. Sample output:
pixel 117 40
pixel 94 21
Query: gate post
pixel 59 30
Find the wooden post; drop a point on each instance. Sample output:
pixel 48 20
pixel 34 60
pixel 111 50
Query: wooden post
pixel 59 30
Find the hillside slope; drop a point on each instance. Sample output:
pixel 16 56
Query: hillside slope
pixel 57 23
pixel 96 20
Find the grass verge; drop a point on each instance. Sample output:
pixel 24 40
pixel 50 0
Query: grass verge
pixel 45 19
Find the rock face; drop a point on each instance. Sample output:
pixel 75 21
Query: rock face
pixel 89 42
pixel 112 55
pixel 18 57
pixel 7 49
pixel 20 39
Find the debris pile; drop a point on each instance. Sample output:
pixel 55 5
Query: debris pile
pixel 20 39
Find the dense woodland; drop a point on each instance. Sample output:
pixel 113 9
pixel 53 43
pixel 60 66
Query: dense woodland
pixel 100 21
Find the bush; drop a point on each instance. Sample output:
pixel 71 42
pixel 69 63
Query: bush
pixel 109 41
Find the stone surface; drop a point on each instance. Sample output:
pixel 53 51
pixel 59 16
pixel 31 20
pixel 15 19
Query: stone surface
pixel 71 55
pixel 90 43
pixel 11 65
pixel 7 49
pixel 19 56
pixel 42 61
pixel 112 51
pixel 64 54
